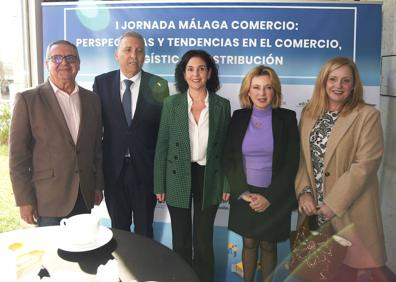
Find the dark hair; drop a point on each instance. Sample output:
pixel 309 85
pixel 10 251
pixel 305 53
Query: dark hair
pixel 213 83
pixel 61 42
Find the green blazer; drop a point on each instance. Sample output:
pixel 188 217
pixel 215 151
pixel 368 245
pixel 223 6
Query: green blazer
pixel 172 164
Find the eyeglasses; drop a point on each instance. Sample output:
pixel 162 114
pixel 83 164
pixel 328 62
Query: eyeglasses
pixel 57 59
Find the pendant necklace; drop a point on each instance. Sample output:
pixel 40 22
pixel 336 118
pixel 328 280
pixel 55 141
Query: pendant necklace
pixel 257 123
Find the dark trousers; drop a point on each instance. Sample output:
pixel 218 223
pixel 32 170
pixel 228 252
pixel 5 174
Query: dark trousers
pixel 192 239
pixel 79 208
pixel 129 200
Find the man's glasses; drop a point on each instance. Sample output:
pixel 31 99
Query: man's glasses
pixel 57 59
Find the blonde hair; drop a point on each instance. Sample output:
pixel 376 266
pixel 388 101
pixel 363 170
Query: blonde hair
pixel 319 102
pixel 244 98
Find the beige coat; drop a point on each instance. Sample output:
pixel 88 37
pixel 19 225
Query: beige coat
pixel 352 159
pixel 46 167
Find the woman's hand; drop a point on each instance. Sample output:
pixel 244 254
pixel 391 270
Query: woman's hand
pixel 326 212
pixel 258 202
pixel 226 197
pixel 246 196
pixel 160 197
pixel 306 204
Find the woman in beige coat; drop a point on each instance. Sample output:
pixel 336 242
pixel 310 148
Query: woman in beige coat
pixel 341 150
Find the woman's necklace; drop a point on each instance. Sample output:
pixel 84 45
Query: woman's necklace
pixel 257 123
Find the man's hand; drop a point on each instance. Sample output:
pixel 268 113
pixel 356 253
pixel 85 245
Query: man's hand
pixel 28 214
pixel 98 197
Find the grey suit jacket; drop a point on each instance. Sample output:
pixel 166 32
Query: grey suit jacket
pixel 46 167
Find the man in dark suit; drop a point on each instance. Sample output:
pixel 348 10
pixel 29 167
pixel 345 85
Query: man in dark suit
pixel 131 106
pixel 55 143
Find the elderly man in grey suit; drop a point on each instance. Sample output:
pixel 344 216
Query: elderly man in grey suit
pixel 55 143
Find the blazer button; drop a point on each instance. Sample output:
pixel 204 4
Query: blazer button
pixel 176 157
pixel 174 171
pixel 177 144
pixel 327 173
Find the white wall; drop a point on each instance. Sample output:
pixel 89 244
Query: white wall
pixel 388 109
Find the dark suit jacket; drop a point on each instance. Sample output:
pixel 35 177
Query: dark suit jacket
pixel 46 167
pixel 285 159
pixel 140 136
pixel 172 174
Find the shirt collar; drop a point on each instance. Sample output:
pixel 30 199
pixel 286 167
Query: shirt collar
pixel 189 99
pixel 133 78
pixel 58 90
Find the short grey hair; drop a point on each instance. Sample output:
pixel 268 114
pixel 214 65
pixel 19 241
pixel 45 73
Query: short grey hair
pixel 132 34
pixel 61 42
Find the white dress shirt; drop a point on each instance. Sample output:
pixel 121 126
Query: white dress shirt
pixel 199 132
pixel 134 88
pixel 71 109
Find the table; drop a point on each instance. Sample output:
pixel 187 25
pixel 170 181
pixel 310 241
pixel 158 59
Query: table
pixel 138 258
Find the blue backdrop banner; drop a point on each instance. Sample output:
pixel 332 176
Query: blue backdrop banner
pixel 294 38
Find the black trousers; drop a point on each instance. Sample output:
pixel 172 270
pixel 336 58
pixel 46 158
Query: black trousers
pixel 192 236
pixel 129 202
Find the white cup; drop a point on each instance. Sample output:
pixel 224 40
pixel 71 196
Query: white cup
pixel 81 229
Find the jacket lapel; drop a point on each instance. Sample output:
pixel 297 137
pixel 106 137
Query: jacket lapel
pixel 52 104
pixel 84 104
pixel 306 125
pixel 277 129
pixel 144 90
pixel 115 98
pixel 214 111
pixel 181 115
pixel 340 128
pixel 243 124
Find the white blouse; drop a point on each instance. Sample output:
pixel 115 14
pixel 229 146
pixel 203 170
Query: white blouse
pixel 199 133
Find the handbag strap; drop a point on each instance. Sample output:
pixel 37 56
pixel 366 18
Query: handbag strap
pixel 304 230
pixel 313 225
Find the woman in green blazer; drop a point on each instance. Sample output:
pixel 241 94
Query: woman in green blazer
pixel 187 167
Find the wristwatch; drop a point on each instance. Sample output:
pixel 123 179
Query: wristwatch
pixel 306 190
